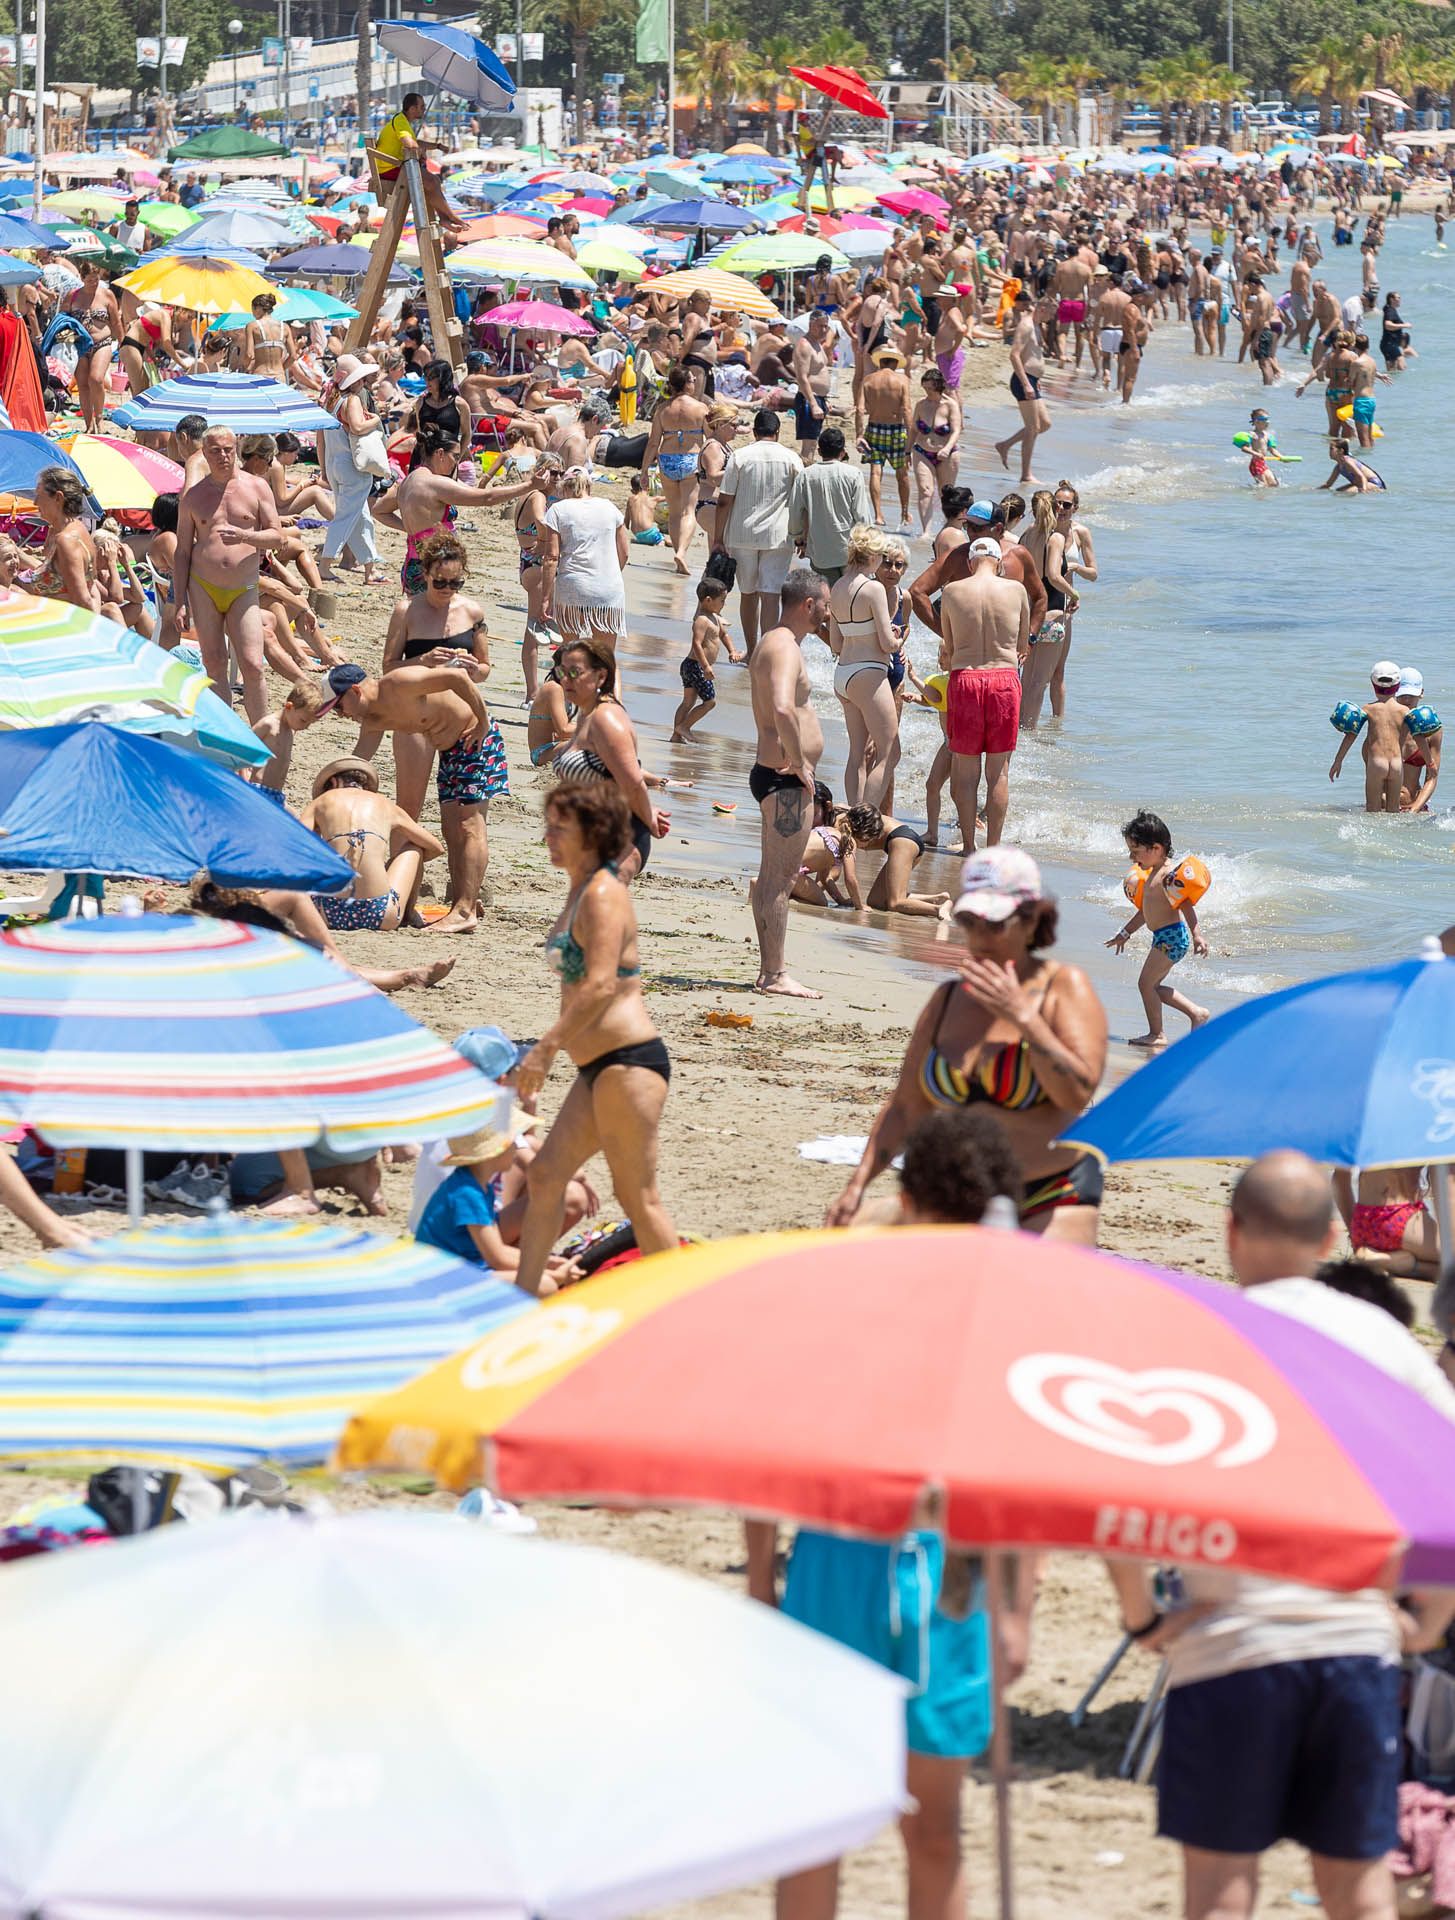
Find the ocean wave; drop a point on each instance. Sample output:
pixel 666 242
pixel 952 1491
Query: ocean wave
pixel 1178 395
pixel 1166 480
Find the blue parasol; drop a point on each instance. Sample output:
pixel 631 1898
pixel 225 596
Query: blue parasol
pixel 452 60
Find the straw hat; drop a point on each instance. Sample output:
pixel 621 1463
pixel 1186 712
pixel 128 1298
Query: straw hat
pixel 349 370
pixel 348 763
pixel 469 1149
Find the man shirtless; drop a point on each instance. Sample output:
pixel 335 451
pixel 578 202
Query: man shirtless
pixel 889 410
pixel 448 708
pixel 224 523
pixel 957 320
pixel 1300 300
pixel 813 375
pixel 386 847
pixel 1118 325
pixel 1260 336
pixel 986 636
pixel 1016 564
pixel 1072 287
pixel 790 743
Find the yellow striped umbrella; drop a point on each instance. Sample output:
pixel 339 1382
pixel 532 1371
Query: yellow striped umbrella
pixel 729 292
pixel 207 284
pixel 517 260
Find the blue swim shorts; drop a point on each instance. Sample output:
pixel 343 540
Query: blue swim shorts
pixel 1308 1751
pixel 1174 940
pixel 883 1602
pixel 1364 409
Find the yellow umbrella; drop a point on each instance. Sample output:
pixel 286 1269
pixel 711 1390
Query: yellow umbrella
pixel 518 260
pixel 116 482
pixel 606 256
pixel 203 285
pixel 78 202
pixel 746 146
pixel 729 292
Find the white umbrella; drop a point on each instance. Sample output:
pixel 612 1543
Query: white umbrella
pixel 410 1715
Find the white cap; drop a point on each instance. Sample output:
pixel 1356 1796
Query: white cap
pixel 1385 673
pixel 985 550
pixel 1411 680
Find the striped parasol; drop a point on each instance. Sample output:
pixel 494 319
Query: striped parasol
pixel 208 284
pixel 247 402
pixel 59 662
pixel 123 477
pixel 516 260
pixel 223 1342
pixel 181 1034
pixel 728 291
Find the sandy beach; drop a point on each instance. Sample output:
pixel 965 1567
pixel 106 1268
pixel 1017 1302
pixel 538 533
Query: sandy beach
pixel 741 1102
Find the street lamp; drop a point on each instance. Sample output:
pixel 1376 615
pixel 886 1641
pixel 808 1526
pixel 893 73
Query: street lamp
pixel 234 28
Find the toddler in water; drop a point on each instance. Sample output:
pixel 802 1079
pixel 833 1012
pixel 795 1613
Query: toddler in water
pixel 1260 447
pixel 709 634
pixel 1164 897
pixel 1386 740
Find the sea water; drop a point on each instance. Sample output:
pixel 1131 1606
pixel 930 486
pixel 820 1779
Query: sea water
pixel 1226 623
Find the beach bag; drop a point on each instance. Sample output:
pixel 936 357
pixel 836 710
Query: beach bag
pixel 371 456
pixel 722 568
pixel 1430 1726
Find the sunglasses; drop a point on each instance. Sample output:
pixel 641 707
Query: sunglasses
pixel 447 579
pixel 894 566
pixel 574 673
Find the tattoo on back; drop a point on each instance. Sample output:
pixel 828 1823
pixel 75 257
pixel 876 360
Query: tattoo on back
pixel 788 811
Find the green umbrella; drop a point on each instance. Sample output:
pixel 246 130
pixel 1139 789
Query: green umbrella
pixel 86 243
pixel 778 253
pixel 166 217
pixel 227 143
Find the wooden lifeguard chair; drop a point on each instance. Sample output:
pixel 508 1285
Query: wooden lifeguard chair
pixel 399 197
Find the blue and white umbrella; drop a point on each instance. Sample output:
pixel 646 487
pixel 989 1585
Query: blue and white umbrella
pixel 452 60
pixel 17 273
pixel 246 402
pixel 232 228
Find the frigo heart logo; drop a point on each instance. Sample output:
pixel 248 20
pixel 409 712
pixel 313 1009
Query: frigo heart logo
pixel 1164 1416
pixel 537 1343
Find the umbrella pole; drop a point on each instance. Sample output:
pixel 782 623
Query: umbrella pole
pixel 135 1205
pixel 1443 1298
pixel 996 1568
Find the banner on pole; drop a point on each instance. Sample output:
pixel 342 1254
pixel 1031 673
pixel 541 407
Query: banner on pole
pixel 651 31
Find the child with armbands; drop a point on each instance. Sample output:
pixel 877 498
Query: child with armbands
pixel 1165 895
pixel 1388 735
pixel 1422 755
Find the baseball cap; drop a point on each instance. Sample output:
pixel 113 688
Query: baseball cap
pixel 982 512
pixel 1411 680
pixel 996 882
pixel 342 679
pixel 984 549
pixel 490 1049
pixel 1384 673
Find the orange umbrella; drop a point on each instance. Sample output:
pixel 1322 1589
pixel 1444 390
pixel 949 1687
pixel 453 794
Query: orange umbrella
pixel 503 226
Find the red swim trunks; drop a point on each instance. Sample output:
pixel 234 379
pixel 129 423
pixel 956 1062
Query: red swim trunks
pixel 1382 1229
pixel 984 710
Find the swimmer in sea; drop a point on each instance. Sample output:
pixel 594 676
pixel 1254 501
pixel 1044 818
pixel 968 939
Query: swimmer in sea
pixel 1260 446
pixel 1385 742
pixel 1356 475
pixel 1171 919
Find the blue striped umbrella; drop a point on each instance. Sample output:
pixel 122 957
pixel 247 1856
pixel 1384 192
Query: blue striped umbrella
pixel 224 1342
pixel 247 402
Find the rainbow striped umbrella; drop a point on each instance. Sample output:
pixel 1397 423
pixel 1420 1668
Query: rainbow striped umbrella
pixel 195 1035
pixel 246 402
pixel 59 662
pixel 221 1342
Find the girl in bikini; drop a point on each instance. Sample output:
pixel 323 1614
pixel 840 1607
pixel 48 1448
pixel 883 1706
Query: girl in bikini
pixel 529 517
pixel 934 442
pixel 864 643
pixel 94 305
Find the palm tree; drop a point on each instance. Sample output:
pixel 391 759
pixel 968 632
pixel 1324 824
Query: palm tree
pixel 961 65
pixel 579 19
pixel 1041 82
pixel 1162 84
pixel 839 48
pixel 1382 46
pixel 716 67
pixel 776 54
pixel 1319 70
pixel 1223 88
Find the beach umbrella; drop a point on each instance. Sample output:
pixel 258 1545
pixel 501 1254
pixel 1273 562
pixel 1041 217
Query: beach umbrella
pixel 17 273
pixel 1036 1387
pixel 120 476
pixel 780 253
pixel 325 261
pixel 234 256
pixel 915 200
pixel 728 292
pixel 85 243
pixel 746 171
pixel 25 455
pixel 699 215
pixel 538 316
pixel 166 218
pixel 577 180
pixel 247 402
pixel 18 233
pixel 861 245
pixel 595 204
pixel 830 226
pixel 501 226
pixel 202 285
pixel 606 256
pixel 97 799
pixel 354 1714
pixel 237 227
pixel 451 60
pixel 745 146
pixel 294 304
pixel 227 143
pixel 178 1034
pixel 674 183
pixel 59 662
pixel 225 1342
pixel 844 85
pixel 80 203
pixel 516 260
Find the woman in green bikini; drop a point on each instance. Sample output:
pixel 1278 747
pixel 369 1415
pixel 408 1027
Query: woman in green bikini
pixel 622 1069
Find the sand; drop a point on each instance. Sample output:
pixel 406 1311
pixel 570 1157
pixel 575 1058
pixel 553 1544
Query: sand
pixel 740 1104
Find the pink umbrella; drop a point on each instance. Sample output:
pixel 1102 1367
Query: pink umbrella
pixel 537 316
pixel 587 203
pixel 916 200
pixel 155 468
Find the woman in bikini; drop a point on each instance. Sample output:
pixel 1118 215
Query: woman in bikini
pixel 871 320
pixel 722 428
pixel 309 496
pixel 437 627
pixel 934 443
pixel 148 335
pixel 1078 562
pixel 383 843
pixel 424 502
pixel 442 406
pixel 678 429
pixel 615 1103
pixel 1045 541
pixel 94 305
pixel 874 831
pixel 552 718
pixel 266 347
pixel 1017 1031
pixel 67 569
pixel 603 749
pixel 864 643
pixel 530 514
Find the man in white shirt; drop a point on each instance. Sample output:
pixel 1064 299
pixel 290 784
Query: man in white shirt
pixel 829 500
pixel 1283 1705
pixel 753 502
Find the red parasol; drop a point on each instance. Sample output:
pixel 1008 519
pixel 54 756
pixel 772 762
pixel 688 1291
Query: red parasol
pixel 850 89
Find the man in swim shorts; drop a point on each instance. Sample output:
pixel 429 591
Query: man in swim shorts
pixel 789 747
pixel 225 523
pixel 889 406
pixel 813 376
pixel 1112 318
pixel 1071 286
pixel 385 846
pixel 1172 922
pixel 1363 372
pixel 986 623
pixel 956 321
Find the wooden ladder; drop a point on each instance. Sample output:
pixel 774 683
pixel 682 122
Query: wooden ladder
pixel 444 324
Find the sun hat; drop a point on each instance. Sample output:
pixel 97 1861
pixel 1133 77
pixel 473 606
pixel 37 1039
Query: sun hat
pixel 1411 680
pixel 882 354
pixel 349 370
pixel 469 1149
pixel 997 882
pixel 985 550
pixel 1384 673
pixel 346 763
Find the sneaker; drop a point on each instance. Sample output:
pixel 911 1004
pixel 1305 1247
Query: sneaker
pixel 170 1184
pixel 202 1190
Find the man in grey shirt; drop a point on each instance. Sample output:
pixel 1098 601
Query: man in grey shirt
pixel 829 499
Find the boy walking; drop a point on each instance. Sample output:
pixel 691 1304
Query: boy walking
pixel 1164 898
